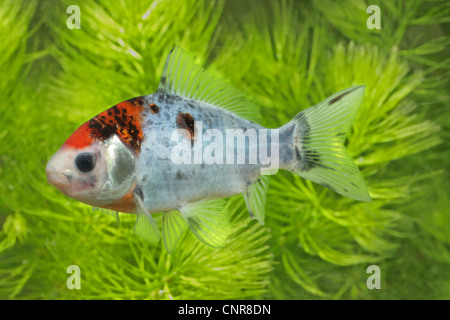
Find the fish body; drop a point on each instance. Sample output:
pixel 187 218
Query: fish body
pixel 167 185
pixel 193 142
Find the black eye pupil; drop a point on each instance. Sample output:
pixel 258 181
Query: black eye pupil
pixel 85 162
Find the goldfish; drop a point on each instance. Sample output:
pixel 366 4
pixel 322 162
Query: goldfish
pixel 194 142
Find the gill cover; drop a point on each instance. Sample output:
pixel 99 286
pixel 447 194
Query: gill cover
pixel 120 168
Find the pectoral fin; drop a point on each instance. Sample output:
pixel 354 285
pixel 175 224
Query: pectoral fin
pixel 145 226
pixel 109 212
pixel 208 220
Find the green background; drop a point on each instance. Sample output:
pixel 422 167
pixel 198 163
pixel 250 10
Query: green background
pixel 285 56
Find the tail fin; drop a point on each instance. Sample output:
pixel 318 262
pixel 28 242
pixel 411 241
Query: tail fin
pixel 317 150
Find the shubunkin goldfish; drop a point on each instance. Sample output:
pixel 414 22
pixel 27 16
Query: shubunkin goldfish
pixel 148 154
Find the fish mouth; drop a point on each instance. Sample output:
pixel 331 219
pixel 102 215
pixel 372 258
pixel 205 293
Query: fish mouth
pixel 59 180
pixel 56 176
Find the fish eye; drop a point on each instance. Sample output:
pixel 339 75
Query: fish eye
pixel 85 162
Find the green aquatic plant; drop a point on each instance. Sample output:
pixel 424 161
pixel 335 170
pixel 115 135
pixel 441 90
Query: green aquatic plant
pixel 14 33
pixel 285 56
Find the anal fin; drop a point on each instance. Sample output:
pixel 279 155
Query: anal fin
pixel 255 198
pixel 208 220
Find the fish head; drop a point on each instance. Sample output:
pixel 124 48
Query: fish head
pixel 96 164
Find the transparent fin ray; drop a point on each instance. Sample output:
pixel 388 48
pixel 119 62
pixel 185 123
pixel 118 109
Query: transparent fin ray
pixel 322 157
pixel 146 226
pixel 181 76
pixel 109 212
pixel 208 220
pixel 173 228
pixel 255 198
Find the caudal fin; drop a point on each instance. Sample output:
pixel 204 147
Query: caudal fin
pixel 317 152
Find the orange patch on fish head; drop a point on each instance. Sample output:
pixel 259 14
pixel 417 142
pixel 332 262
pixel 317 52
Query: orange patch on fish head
pixel 80 138
pixel 123 119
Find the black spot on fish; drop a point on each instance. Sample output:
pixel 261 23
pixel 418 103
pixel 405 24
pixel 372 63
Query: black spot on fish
pixel 183 175
pixel 179 175
pixel 185 121
pixel 154 108
pixel 167 98
pixel 138 192
pixel 339 97
pixel 297 154
pixel 313 156
pixel 101 130
pixel 137 101
pixel 326 185
pixel 250 181
pixel 163 80
pixel 307 158
pixel 193 222
pixel 312 160
pixel 95 124
pixel 191 105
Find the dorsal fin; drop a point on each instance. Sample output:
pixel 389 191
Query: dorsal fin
pixel 182 77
